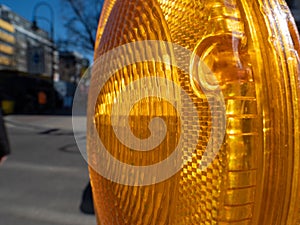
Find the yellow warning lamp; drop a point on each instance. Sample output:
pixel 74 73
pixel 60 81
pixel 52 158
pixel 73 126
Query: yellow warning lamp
pixel 173 58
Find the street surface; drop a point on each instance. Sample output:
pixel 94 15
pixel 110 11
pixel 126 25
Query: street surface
pixel 42 181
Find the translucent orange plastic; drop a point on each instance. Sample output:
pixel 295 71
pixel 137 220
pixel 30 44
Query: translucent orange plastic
pixel 252 47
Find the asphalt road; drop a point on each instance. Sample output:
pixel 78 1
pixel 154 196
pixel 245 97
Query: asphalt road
pixel 42 181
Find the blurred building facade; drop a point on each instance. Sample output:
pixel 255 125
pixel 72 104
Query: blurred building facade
pixel 23 48
pixel 7 43
pixel 71 66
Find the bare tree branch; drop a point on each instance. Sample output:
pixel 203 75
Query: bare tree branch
pixel 84 22
pixel 80 20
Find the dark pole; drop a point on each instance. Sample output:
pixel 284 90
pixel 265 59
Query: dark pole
pixel 51 22
pixel 51 14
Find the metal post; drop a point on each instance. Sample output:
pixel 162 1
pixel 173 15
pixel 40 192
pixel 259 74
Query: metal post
pixel 51 22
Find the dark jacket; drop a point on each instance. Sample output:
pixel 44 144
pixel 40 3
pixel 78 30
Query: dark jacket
pixel 4 143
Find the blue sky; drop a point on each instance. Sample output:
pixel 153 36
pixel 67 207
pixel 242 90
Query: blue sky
pixel 25 9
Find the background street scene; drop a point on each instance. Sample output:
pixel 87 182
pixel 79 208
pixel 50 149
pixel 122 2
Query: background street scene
pixel 45 49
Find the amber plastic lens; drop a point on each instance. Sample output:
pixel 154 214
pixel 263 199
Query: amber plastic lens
pixel 252 49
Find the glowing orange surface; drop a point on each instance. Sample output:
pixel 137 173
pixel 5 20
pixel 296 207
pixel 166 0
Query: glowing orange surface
pixel 252 47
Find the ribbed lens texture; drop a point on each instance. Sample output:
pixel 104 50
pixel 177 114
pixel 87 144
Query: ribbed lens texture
pixel 252 49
